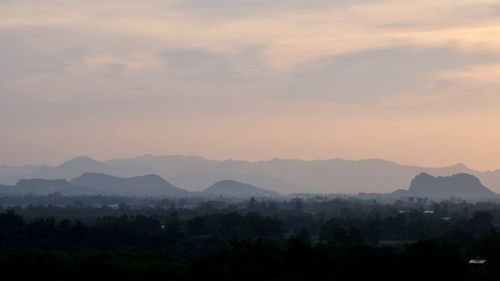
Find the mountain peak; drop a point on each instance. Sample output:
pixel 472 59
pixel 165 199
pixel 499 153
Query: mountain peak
pixel 423 175
pixel 459 185
pixel 458 168
pixel 151 178
pixel 229 182
pixel 231 188
pixel 80 160
pixel 147 185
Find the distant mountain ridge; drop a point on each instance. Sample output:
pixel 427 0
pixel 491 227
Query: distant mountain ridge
pixel 280 175
pixel 44 187
pixel 229 188
pixel 459 185
pixel 139 186
pixel 148 185
pixel 97 184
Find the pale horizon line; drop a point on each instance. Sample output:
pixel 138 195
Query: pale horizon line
pixel 55 164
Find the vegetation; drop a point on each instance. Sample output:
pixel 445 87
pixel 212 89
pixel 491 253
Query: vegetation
pixel 299 239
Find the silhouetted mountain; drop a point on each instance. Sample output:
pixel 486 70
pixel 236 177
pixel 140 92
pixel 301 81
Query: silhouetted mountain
pixel 284 176
pixel 149 185
pixel 42 187
pixel 229 188
pixel 400 193
pixel 69 169
pixel 460 185
pixel 166 166
pixel 319 176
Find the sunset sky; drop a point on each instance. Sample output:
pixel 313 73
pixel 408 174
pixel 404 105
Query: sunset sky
pixel 416 82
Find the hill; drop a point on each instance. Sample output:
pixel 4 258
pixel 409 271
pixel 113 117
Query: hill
pixel 281 175
pixel 148 185
pixel 460 186
pixel 42 187
pixel 229 188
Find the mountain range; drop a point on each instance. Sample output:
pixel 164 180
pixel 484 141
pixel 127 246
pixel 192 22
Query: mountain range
pixel 140 186
pixel 280 175
pixel 229 188
pixel 460 185
pixel 147 185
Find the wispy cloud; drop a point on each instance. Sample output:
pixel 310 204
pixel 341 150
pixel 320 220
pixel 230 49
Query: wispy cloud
pixel 346 66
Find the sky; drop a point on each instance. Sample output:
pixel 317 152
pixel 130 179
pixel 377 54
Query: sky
pixel 416 82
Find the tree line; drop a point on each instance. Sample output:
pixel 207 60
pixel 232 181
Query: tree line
pixel 250 245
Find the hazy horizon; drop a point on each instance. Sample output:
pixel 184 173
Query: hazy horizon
pixel 56 163
pixel 411 82
pixel 383 116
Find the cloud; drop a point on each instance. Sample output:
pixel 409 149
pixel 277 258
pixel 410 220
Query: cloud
pixel 227 9
pixel 481 74
pixel 371 75
pixel 279 67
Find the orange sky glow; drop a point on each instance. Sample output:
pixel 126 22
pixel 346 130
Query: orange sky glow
pixel 414 82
